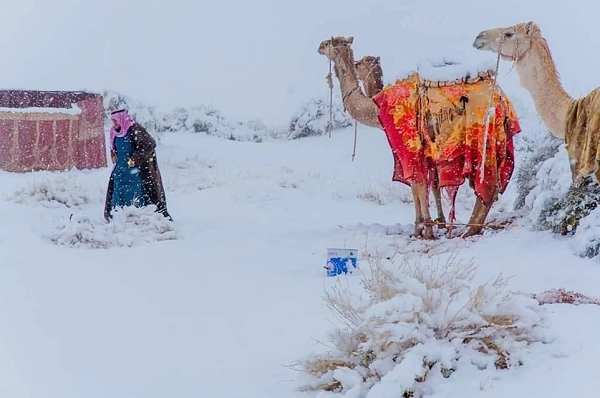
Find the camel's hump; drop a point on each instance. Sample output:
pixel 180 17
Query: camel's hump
pixel 443 69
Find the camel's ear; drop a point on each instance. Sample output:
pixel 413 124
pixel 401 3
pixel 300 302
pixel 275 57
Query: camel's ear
pixel 377 58
pixel 530 27
pixel 351 39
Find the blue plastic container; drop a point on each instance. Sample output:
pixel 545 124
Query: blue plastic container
pixel 341 261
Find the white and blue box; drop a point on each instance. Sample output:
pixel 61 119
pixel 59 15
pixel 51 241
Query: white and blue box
pixel 341 261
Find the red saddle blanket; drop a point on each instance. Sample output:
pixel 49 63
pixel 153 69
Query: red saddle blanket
pixel 442 130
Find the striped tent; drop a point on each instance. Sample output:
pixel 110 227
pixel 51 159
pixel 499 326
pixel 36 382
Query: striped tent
pixel 51 130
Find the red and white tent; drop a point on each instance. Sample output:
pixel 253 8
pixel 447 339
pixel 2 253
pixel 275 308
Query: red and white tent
pixel 51 130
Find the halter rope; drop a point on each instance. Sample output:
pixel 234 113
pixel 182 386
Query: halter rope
pixel 329 79
pixel 489 112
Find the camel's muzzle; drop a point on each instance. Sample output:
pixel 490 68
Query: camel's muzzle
pixel 480 41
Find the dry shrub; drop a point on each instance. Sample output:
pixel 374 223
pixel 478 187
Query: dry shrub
pixel 416 322
pixel 561 296
pixel 129 227
pixel 63 190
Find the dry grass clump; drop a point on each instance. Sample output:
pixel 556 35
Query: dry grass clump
pixel 416 323
pixel 130 226
pixel 64 190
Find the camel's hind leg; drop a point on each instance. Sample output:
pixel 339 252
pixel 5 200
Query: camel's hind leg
pixel 480 213
pixel 441 219
pixel 423 223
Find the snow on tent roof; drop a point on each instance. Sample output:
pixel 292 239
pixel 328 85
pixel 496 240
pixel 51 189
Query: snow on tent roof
pixel 73 110
pixel 43 99
pixel 51 130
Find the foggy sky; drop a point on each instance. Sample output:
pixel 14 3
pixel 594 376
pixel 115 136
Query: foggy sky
pixel 258 59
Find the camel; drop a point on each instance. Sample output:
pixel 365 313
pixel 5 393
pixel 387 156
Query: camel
pixel 366 111
pixel 370 73
pixel 573 120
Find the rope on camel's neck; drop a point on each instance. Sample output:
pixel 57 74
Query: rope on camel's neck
pixel 330 126
pixel 495 85
pixel 356 122
pixel 490 110
pixel 329 79
pixel 330 84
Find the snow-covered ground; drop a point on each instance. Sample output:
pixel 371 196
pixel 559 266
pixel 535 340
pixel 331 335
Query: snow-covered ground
pixel 225 300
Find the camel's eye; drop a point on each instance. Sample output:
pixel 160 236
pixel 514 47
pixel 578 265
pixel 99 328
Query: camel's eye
pixel 508 35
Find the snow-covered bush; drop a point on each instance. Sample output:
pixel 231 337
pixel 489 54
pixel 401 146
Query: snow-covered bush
pixel 416 325
pixel 130 226
pixel 146 115
pixel 546 189
pixel 201 119
pixel 63 190
pixel 539 154
pixel 314 119
pixel 586 239
pixel 568 213
pixel 198 119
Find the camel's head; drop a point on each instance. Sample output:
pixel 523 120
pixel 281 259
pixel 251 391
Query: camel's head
pixel 330 48
pixel 367 65
pixel 511 42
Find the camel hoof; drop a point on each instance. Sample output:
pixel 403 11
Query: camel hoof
pixel 471 232
pixel 428 234
pixel 424 230
pixel 418 232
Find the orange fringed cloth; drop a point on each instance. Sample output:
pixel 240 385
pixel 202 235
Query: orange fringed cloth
pixel 441 130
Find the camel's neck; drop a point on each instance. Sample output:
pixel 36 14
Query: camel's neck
pixel 360 107
pixel 538 75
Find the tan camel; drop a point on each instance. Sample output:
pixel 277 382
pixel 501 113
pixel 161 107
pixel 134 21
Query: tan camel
pixel 365 111
pixel 523 43
pixel 573 120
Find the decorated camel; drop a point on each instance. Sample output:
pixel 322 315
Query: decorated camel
pixel 437 131
pixel 370 74
pixel 577 121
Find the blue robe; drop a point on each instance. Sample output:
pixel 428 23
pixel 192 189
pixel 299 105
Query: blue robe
pixel 127 189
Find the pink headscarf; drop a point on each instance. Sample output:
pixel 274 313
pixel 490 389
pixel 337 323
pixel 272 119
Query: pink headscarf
pixel 125 121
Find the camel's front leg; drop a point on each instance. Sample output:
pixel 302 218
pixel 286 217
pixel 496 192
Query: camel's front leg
pixel 418 216
pixel 423 223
